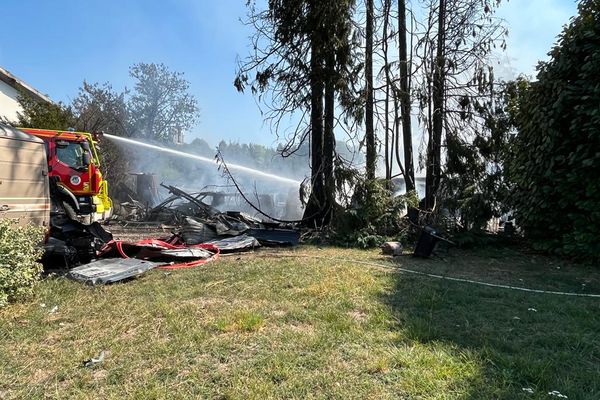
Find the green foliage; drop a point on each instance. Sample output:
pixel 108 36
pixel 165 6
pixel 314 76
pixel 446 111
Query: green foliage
pixel 374 215
pixel 557 158
pixel 363 239
pixel 157 108
pixel 457 76
pixel 99 108
pixel 37 114
pixel 475 187
pixel 160 105
pixel 19 252
pixel 377 203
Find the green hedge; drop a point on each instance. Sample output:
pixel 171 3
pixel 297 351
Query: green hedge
pixel 556 167
pixel 20 251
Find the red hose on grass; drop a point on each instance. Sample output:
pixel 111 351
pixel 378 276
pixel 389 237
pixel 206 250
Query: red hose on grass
pixel 169 246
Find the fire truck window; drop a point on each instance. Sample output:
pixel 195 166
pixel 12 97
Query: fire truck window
pixel 72 155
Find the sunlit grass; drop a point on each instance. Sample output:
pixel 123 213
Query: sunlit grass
pixel 260 326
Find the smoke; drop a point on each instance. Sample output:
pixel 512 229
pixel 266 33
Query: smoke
pixel 275 194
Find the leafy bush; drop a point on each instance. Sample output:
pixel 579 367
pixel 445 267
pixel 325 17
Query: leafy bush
pixel 362 239
pixel 374 216
pixel 557 158
pixel 19 255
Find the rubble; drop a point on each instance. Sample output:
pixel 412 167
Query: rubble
pixel 198 233
pixel 236 243
pixel 196 222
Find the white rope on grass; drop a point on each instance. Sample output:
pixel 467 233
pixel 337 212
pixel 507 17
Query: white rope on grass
pixel 448 278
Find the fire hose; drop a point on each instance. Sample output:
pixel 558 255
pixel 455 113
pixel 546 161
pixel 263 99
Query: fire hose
pixel 164 245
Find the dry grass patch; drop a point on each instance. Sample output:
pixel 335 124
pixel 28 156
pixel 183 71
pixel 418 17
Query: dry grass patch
pixel 304 327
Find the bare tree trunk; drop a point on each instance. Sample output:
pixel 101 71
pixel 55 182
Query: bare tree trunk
pixel 396 142
pixel 405 102
pixel 434 148
pixel 316 202
pixel 388 166
pixel 396 135
pixel 329 136
pixel 369 127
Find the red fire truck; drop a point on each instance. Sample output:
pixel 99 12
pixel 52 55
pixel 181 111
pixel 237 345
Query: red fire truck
pixel 74 173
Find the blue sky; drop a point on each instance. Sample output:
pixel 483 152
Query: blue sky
pixel 55 45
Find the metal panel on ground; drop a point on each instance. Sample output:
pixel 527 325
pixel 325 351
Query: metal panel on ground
pixel 110 270
pixel 235 243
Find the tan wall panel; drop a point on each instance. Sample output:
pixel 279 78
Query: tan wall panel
pixel 24 181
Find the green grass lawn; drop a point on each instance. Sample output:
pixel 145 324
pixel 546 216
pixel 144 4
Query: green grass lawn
pixel 262 326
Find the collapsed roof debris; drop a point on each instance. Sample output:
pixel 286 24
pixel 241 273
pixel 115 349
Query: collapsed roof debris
pixel 200 232
pixel 199 222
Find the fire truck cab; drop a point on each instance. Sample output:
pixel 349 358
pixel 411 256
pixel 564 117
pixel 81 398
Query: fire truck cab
pixel 73 170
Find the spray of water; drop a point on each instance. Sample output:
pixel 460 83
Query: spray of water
pixel 233 167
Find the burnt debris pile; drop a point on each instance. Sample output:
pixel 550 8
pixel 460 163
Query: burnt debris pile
pixel 180 232
pixel 194 221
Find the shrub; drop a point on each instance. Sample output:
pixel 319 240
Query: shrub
pixel 376 215
pixel 19 255
pixel 556 161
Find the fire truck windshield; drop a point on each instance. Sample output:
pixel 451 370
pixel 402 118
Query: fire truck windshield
pixel 73 154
